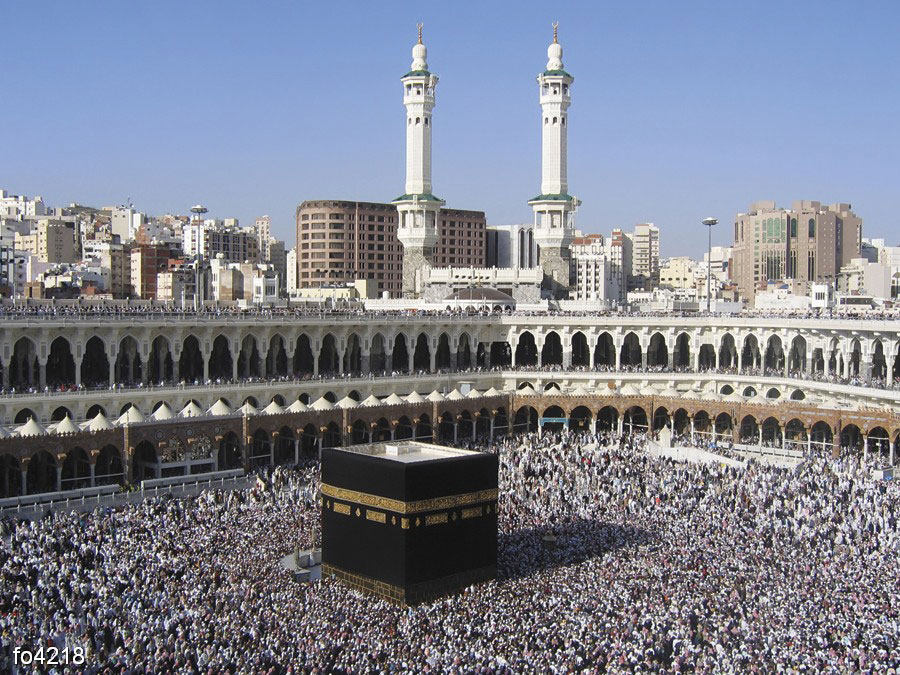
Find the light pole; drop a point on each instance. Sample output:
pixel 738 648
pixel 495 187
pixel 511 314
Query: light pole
pixel 709 222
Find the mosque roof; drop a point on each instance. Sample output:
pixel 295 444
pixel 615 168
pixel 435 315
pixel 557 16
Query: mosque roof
pixel 422 197
pixel 481 293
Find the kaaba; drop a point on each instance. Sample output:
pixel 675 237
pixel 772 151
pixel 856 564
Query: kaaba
pixel 409 521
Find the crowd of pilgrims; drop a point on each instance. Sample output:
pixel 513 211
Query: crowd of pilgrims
pixel 610 560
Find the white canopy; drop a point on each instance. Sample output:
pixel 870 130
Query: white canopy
pixel 393 399
pixel 370 402
pixel 297 406
pixel 248 409
pixel 31 428
pixel 163 412
pixel 273 408
pixel 346 403
pixel 66 426
pixel 435 396
pixel 219 408
pixel 415 397
pixel 99 423
pixel 191 410
pixel 130 416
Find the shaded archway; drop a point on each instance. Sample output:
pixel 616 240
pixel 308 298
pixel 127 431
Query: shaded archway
pixel 377 354
pixel 284 446
pixel 553 418
pixel 304 361
pixel 821 436
pixel 353 355
pixel 634 420
pixel 24 370
pixel 464 353
pixel 657 352
pixel 605 352
pixel 10 477
pixel 76 470
pixel 249 363
pixel 41 473
pixel 423 428
pixel 525 420
pixel 581 419
pixel 607 419
pixel 220 359
pixel 774 359
pixel 276 357
pixel 145 462
pixel 749 431
pixel 190 364
pixel 501 354
pixel 160 365
pixel 129 367
pixel 422 355
pixel 750 356
pixel 95 364
pixel 660 418
pixel 551 351
pixel 328 355
pixel 851 438
pixel 682 360
pixel 630 355
pixel 724 426
pixel 260 449
pixel 109 469
pixel 706 359
pixel 442 359
pixel 727 352
pixel 797 355
pixel 771 433
pixel 60 414
pixel 229 456
pixel 581 353
pixel 400 354
pixel 879 364
pixel 526 350
pixel 60 364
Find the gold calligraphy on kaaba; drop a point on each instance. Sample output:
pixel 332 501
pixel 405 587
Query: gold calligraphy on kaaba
pixel 398 506
pixel 476 512
pixel 376 516
pixel 436 518
pixel 342 508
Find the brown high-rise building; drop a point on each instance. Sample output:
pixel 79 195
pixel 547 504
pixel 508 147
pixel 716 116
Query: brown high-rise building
pixel 807 243
pixel 341 241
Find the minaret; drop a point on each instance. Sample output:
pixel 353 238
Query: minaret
pixel 554 208
pixel 417 208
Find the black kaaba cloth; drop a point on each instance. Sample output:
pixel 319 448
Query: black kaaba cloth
pixel 409 521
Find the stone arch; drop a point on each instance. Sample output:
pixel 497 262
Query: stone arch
pixel 353 355
pixel 60 413
pixel 442 360
pixel 822 436
pixel 657 351
pixel 328 355
pixel 581 419
pixel 249 362
pixel 304 361
pixel 24 369
pixel 682 360
pixel 526 350
pixel 607 419
pixel 160 365
pixel 552 351
pixel 774 359
pixel 400 354
pixel 798 395
pixel 260 448
pixel 817 361
pixel 726 389
pixel 605 352
pixel 229 455
pixel 749 392
pixel 277 357
pixel 771 432
pixel 76 470
pixel 129 367
pixel 220 359
pixel 95 364
pixel 553 412
pixel 24 415
pixel 10 477
pixel 635 419
pixel 109 469
pixel 581 354
pixel 773 393
pixel 855 357
pixel 501 354
pixel 359 433
pixel 464 352
pixel 423 428
pixel 681 422
pixel 703 425
pixel 95 410
pixel 879 363
pixel 795 434
pixel 284 446
pixel 630 354
pixel 41 473
pixel 525 419
pixel 724 425
pixel 422 354
pixel 145 462
pixel 727 352
pixel 706 359
pixel 60 364
pixel 749 431
pixel 797 355
pixel 851 438
pixel 309 441
pixel 750 354
pixel 403 430
pixel 190 363
pixel 660 418
pixel 378 354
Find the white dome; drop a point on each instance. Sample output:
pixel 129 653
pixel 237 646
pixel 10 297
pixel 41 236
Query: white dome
pixel 163 412
pixel 346 403
pixel 99 423
pixel 370 402
pixel 31 428
pixel 455 395
pixel 415 397
pixel 66 426
pixel 420 57
pixel 492 392
pixel 579 391
pixel 248 409
pixel 322 404
pixel 393 399
pixel 527 390
pixel 629 390
pixel 130 416
pixel 191 410
pixel 691 395
pixel 554 56
pixel 435 396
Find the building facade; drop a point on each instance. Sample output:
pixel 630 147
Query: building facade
pixel 807 243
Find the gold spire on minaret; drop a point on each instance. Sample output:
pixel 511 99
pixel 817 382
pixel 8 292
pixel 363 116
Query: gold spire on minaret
pixel 420 31
pixel 555 27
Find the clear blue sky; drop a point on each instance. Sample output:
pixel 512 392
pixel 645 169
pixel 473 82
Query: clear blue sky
pixel 680 109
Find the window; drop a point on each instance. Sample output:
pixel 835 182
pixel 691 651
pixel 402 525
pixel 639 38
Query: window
pixel 812 228
pixel 794 228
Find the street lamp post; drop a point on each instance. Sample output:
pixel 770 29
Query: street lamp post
pixel 709 222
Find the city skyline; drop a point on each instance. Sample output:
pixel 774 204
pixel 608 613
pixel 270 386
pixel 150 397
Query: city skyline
pixel 637 114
